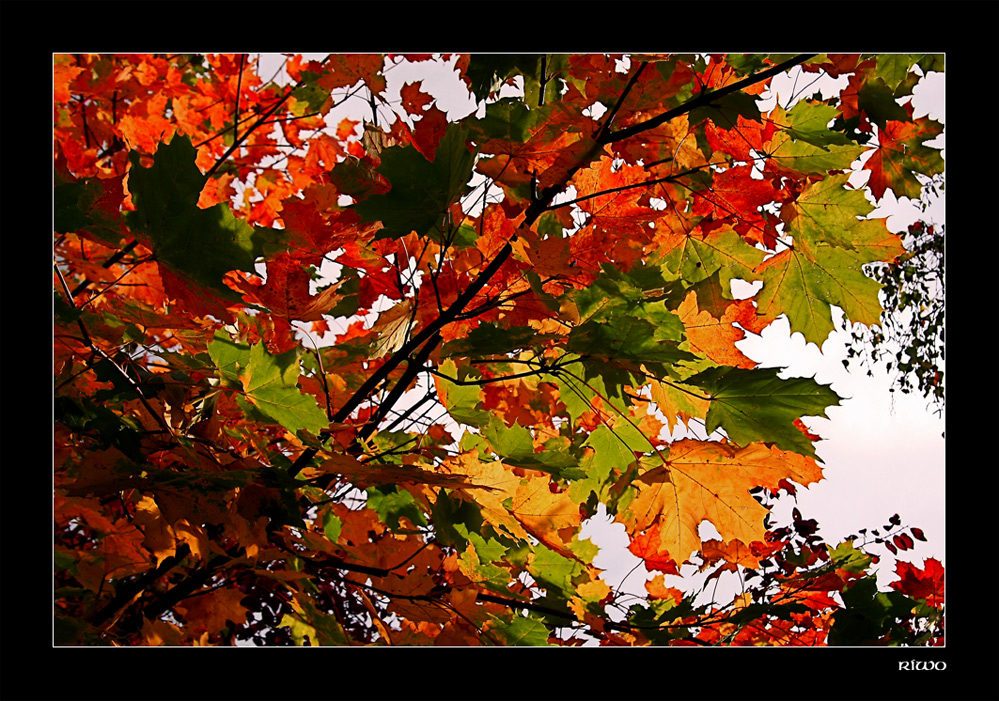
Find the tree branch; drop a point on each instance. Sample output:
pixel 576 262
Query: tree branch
pixel 704 98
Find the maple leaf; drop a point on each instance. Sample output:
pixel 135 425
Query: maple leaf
pixel 709 481
pixel 520 506
pixel 925 583
pixel 414 100
pixel 625 212
pixel 268 384
pixel 711 337
pixel 793 149
pixel 757 405
pixel 345 70
pixel 422 190
pixel 203 244
pixel 829 212
pixel 286 292
pixel 697 256
pixel 553 147
pixel 805 284
pixel 901 154
pixel 212 610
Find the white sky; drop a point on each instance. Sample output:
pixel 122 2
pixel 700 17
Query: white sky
pixel 883 452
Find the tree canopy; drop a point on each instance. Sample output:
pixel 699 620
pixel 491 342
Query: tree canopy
pixel 364 383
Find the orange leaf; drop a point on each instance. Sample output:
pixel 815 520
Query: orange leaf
pixel 345 70
pixel 209 612
pixel 711 481
pixel 713 338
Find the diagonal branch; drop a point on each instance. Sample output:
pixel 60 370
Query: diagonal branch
pixel 703 99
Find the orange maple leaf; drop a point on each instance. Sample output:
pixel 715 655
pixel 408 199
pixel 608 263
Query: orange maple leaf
pixel 710 481
pixel 711 337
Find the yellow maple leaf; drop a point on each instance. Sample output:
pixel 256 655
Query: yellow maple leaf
pixel 710 481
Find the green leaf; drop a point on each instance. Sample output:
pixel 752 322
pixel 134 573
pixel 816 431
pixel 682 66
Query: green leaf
pixel 554 571
pixel 392 503
pixel 726 110
pixel 612 451
pixel 269 384
pixel 479 556
pixel 620 320
pixel 744 64
pixel 862 621
pixel 515 446
pixel 846 557
pixel 461 401
pixel 805 285
pixel 202 244
pixel 448 514
pixel 810 123
pixel 892 68
pixel 309 96
pixel 229 356
pixel 879 102
pixel 508 119
pixel 422 190
pixel 625 338
pixel 754 611
pixel 830 212
pixel 757 405
pixel 801 156
pixel 930 62
pixel 487 72
pixel 522 630
pixel 723 252
pixel 491 339
pixel 332 525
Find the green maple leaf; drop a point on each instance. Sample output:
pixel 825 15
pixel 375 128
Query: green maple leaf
pixel 479 557
pixel 492 339
pixel 612 450
pixel 309 96
pixel 487 72
pixel 809 123
pixel 878 101
pixel 422 190
pixel 723 252
pixel 269 384
pixel 201 244
pixel 758 406
pixel 521 630
pixel 805 286
pixel 553 571
pixel 793 145
pixel 832 243
pixel 621 321
pixel 508 119
pixel 893 68
pixel 462 402
pixel 830 212
pixel 515 446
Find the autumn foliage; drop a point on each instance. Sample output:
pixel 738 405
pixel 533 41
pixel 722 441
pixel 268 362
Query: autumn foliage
pixel 524 314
